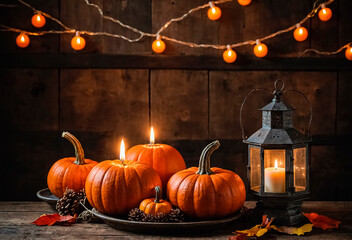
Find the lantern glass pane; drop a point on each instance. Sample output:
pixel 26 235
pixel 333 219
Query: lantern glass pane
pixel 255 168
pixel 274 170
pixel 300 171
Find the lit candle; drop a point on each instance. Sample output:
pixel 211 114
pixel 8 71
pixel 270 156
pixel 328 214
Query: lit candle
pixel 38 20
pixel 122 151
pixel 22 40
pixel 158 45
pixel 214 13
pixel 78 42
pixel 274 179
pixel 325 13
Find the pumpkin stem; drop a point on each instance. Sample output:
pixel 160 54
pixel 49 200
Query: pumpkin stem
pixel 78 148
pixel 204 161
pixel 157 194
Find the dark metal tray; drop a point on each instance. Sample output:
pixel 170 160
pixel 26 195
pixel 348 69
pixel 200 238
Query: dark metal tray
pixel 165 227
pixel 48 197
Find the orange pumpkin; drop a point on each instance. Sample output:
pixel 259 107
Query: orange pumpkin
pixel 70 172
pixel 204 192
pixel 155 205
pixel 165 159
pixel 114 187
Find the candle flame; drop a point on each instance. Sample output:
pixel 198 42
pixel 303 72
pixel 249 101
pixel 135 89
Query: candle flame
pixel 122 151
pixel 276 165
pixel 300 31
pixel 213 10
pixel 260 47
pixel 229 53
pixel 158 43
pixel 38 18
pixel 78 40
pixel 22 38
pixel 324 10
pixel 152 138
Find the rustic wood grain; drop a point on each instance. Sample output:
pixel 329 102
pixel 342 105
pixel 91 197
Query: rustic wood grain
pixel 78 15
pixel 344 115
pixel 262 18
pixel 29 99
pixel 197 27
pixel 113 101
pixel 15 223
pixel 134 13
pixel 345 22
pixel 228 90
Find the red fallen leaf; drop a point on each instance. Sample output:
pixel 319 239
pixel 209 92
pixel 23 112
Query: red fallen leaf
pixel 50 219
pixel 321 221
pixel 238 237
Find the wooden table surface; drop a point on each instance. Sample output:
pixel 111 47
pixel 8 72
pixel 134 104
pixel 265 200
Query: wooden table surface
pixel 16 218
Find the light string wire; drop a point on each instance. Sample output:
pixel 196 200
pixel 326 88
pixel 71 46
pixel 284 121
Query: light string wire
pixel 142 34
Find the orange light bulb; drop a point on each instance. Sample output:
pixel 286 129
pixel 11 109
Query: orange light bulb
pixel 38 20
pixel 22 40
pixel 244 2
pixel 325 13
pixel 260 50
pixel 78 42
pixel 300 34
pixel 229 55
pixel 158 45
pixel 348 53
pixel 214 13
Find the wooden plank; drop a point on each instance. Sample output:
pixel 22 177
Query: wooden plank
pixel 197 27
pixel 262 18
pixel 110 101
pixel 345 22
pixel 228 90
pixel 78 15
pixel 77 60
pixel 179 104
pixel 29 99
pixel 344 115
pixel 134 13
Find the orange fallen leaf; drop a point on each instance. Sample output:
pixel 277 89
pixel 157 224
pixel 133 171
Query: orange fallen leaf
pixel 321 221
pixel 50 219
pixel 257 230
pixel 294 230
pixel 238 237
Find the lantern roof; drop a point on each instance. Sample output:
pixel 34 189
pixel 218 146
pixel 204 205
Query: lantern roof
pixel 277 105
pixel 272 136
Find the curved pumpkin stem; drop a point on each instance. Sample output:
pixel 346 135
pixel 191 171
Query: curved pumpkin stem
pixel 204 161
pixel 78 148
pixel 157 194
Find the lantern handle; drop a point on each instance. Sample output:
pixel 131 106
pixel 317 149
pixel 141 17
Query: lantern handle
pixel 242 105
pixel 310 107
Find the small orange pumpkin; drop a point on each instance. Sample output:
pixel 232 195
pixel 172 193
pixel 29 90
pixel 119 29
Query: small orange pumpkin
pixel 114 187
pixel 204 192
pixel 69 172
pixel 155 205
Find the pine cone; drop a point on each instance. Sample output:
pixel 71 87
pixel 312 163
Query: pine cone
pixel 68 204
pixel 160 217
pixel 136 215
pixel 176 215
pixel 148 218
pixel 81 195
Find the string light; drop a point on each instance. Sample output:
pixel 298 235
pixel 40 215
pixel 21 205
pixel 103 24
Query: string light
pixel 214 13
pixel 38 20
pixel 300 33
pixel 141 34
pixel 325 13
pixel 348 53
pixel 78 42
pixel 244 2
pixel 22 40
pixel 260 49
pixel 158 45
pixel 229 55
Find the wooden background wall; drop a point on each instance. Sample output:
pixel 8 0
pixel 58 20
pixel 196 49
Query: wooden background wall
pixel 114 88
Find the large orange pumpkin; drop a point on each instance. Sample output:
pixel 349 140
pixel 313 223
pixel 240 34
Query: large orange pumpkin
pixel 70 172
pixel 204 192
pixel 115 187
pixel 155 205
pixel 165 159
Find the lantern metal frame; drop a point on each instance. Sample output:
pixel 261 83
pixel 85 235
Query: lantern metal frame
pixel 277 133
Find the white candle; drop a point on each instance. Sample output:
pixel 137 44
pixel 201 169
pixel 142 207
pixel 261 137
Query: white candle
pixel 274 179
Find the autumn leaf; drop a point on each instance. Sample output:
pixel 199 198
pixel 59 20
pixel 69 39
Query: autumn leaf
pixel 50 219
pixel 238 237
pixel 257 230
pixel 294 230
pixel 321 221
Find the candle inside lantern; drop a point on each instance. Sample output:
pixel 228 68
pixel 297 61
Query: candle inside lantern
pixel 274 179
pixel 152 138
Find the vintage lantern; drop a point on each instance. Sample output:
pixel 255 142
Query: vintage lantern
pixel 278 162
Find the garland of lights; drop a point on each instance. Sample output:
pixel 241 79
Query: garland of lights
pixel 260 49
